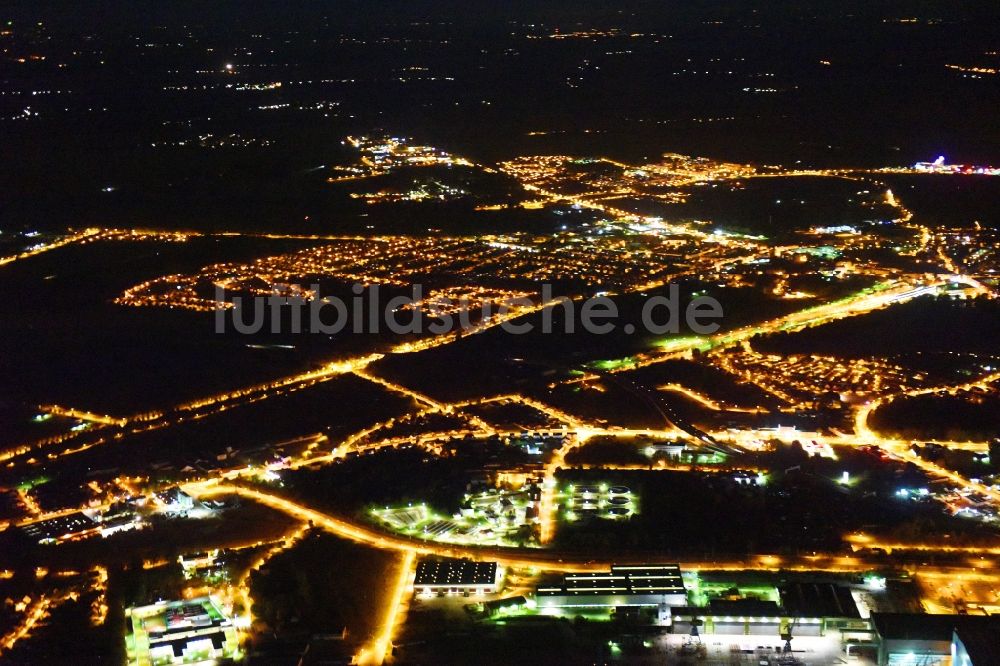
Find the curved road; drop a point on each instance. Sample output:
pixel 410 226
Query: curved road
pixel 555 560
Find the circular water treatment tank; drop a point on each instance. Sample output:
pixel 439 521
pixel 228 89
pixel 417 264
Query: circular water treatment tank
pixel 618 511
pixel 619 501
pixel 618 490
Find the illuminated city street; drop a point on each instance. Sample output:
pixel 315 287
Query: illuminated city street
pixel 379 333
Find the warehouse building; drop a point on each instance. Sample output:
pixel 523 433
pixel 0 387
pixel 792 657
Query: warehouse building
pixel 806 609
pixel 930 640
pixel 975 646
pixel 449 576
pixel 624 585
pixel 833 604
pixel 76 525
pixel 740 616
pixel 180 632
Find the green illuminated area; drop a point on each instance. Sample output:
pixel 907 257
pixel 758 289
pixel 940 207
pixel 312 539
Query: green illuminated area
pixel 180 632
pixel 610 365
pixel 29 484
pixel 594 614
pixel 701 592
pixel 502 610
pixel 690 457
pixel 597 500
pixel 491 517
pixel 692 342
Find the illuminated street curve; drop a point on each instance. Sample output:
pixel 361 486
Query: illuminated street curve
pixel 546 559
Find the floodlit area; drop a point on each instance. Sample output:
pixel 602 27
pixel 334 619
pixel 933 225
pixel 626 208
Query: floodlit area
pixel 492 517
pixel 180 632
pixel 597 500
pixel 550 333
pixel 763 650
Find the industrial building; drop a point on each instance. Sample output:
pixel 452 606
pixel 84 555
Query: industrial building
pixel 624 585
pixel 975 646
pixel 449 576
pixel 180 632
pixel 936 640
pixel 80 525
pixel 833 604
pixel 193 562
pixel 71 526
pixel 806 609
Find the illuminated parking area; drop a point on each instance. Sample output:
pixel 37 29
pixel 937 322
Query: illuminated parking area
pixel 727 649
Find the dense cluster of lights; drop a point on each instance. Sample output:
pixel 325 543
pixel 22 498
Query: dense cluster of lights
pixel 626 252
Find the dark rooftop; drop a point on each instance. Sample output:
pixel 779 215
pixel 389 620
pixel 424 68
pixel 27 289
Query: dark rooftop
pixel 54 528
pixel 982 643
pixel 743 607
pixel 818 600
pixel 622 579
pixel 455 572
pixel 918 626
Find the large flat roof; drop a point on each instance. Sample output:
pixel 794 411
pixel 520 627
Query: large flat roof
pixel 622 579
pixel 743 607
pixel 455 572
pixel 53 528
pixel 818 600
pixel 982 643
pixel 920 626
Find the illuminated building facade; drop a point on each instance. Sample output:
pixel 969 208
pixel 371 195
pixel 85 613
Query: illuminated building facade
pixel 906 638
pixel 180 632
pixel 624 585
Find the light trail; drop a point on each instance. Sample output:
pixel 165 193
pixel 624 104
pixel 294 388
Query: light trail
pixel 49 515
pixel 662 465
pixel 99 607
pixel 208 405
pixel 550 560
pixel 34 614
pixel 699 398
pixel 62 242
pixel 434 405
pixel 421 398
pixel 861 541
pixel 205 406
pixel 864 432
pixel 707 402
pixel 381 646
pixel 83 415
pixel 241 590
pixel 29 503
pixel 546 503
pixel 883 295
